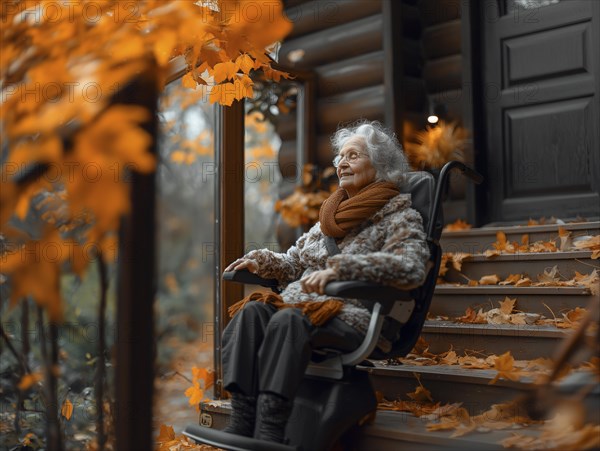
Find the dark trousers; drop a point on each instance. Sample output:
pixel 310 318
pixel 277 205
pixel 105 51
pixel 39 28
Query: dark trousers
pixel 268 350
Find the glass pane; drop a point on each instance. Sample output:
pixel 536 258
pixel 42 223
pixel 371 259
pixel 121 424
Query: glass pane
pixel 185 291
pixel 261 181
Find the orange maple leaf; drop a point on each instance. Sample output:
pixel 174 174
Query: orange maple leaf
pixel 505 367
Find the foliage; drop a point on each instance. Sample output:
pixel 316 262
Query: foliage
pixel 68 129
pixel 69 147
pixel 301 208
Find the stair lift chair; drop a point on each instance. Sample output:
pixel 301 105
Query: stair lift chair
pixel 335 395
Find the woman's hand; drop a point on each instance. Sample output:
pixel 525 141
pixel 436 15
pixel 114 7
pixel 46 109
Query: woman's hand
pixel 242 263
pixel 315 282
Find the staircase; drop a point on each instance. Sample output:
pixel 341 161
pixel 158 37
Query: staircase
pixel 394 430
pixel 471 387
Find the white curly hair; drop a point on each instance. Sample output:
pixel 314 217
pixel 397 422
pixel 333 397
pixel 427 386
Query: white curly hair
pixel 385 152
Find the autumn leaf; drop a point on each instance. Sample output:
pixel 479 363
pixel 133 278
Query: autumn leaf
pixel 511 279
pixel 505 367
pixel 195 393
pixel 245 63
pixel 459 224
pixel 501 243
pixel 421 394
pixel 565 239
pixel 492 279
pixel 507 305
pixel 67 409
pixel 225 71
pixel 450 358
pixel 590 281
pixel 188 81
pixel 223 94
pixel 590 243
pixel 549 276
pixel 28 380
pixel 163 47
pixel 166 433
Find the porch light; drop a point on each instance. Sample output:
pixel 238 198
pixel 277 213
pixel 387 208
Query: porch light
pixel 433 119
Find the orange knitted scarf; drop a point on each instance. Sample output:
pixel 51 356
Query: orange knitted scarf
pixel 318 313
pixel 339 214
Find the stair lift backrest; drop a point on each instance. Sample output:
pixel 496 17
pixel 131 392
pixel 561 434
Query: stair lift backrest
pixel 421 186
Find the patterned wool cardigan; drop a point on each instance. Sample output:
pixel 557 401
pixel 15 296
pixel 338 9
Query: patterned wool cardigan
pixel 388 248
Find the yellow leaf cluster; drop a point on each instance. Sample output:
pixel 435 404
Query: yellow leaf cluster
pixel 459 224
pixel 435 146
pixel 301 208
pixel 59 76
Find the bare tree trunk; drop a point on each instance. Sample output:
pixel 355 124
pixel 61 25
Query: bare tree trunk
pixel 53 432
pixel 100 368
pixel 24 359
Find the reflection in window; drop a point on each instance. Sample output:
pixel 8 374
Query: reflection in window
pixel 185 213
pixel 533 4
pixel 261 177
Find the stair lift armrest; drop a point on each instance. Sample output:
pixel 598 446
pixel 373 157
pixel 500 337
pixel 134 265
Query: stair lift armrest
pixel 369 293
pixel 245 276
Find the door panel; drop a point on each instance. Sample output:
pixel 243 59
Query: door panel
pixel 542 86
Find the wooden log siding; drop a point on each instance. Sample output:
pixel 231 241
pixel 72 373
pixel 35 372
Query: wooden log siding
pixel 439 11
pixel 320 15
pixel 335 110
pixel 442 40
pixel 350 74
pixel 443 74
pixel 343 41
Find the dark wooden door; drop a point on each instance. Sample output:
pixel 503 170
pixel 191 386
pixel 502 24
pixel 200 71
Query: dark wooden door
pixel 541 91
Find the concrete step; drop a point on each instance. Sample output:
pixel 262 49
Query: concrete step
pixel 528 264
pixel 453 301
pixel 523 341
pixel 476 241
pixel 393 431
pixel 446 383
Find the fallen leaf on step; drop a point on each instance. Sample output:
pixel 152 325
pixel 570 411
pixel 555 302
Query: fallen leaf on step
pixel 591 243
pixel 525 282
pixel 449 358
pixel 472 317
pixel 421 394
pixel 590 281
pixel 512 279
pixel 550 276
pixel 473 363
pixel 565 239
pixel 492 279
pixel 505 367
pixel 507 305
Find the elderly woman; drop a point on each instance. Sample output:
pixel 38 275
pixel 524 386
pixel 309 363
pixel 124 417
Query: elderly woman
pixel 367 231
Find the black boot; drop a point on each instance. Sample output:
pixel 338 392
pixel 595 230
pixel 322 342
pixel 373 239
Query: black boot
pixel 273 414
pixel 243 415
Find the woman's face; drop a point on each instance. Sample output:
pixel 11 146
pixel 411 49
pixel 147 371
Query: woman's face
pixel 354 169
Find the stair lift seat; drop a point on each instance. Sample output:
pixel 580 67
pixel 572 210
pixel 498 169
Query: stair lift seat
pixel 335 395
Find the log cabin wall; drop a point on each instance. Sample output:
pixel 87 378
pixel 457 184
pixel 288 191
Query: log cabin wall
pixel 370 57
pixel 343 44
pixel 445 63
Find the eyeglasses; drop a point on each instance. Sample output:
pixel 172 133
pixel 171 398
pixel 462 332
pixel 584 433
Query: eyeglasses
pixel 350 157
